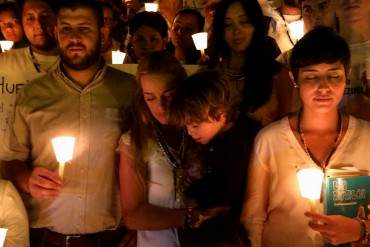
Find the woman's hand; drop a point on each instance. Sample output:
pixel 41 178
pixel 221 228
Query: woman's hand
pixel 335 229
pixel 199 216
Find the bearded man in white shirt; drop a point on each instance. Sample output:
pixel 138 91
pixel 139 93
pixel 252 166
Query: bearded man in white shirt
pixel 83 98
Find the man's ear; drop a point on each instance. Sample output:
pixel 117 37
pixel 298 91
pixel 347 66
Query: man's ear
pixel 55 33
pixel 165 42
pixel 295 85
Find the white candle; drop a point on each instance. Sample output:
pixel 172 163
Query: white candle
pixel 6 45
pixel 3 232
pixel 118 57
pixel 151 7
pixel 310 184
pixel 296 29
pixel 200 41
pixel 63 148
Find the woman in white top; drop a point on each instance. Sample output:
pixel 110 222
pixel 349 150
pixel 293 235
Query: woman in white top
pixel 318 135
pixel 153 156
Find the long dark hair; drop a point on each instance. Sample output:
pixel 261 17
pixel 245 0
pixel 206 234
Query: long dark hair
pixel 141 121
pixel 260 64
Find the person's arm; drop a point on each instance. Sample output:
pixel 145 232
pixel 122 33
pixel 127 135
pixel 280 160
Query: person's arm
pixel 14 218
pixel 139 214
pixel 255 205
pixel 335 229
pixel 39 182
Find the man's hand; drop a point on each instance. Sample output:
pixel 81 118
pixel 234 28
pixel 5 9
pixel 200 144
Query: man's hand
pixel 44 184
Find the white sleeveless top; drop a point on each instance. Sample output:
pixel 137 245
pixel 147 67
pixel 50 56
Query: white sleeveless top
pixel 161 192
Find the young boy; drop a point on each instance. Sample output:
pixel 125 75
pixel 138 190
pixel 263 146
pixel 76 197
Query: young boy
pixel 202 103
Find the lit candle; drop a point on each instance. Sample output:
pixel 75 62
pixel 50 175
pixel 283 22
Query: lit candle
pixel 6 45
pixel 63 148
pixel 310 184
pixel 296 29
pixel 127 9
pixel 200 41
pixel 151 7
pixel 3 232
pixel 118 57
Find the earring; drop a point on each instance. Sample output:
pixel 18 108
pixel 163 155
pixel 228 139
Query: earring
pixel 295 85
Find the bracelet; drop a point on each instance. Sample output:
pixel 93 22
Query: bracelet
pixel 188 218
pixel 364 231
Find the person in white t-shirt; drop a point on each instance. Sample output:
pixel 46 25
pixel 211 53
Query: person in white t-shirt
pixel 288 12
pixel 20 66
pixel 314 13
pixel 354 19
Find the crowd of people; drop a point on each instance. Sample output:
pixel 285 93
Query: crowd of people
pixel 168 155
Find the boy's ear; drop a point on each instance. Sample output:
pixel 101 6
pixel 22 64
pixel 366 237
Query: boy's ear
pixel 221 116
pixel 295 85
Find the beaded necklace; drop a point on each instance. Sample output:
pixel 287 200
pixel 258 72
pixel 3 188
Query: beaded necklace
pixel 325 162
pixel 175 158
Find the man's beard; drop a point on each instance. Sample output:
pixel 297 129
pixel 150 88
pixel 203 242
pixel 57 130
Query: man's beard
pixel 91 57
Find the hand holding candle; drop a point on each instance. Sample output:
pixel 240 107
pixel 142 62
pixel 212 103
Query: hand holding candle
pixel 63 149
pixel 310 184
pixel 200 41
pixel 6 45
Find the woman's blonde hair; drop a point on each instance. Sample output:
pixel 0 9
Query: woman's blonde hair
pixel 141 122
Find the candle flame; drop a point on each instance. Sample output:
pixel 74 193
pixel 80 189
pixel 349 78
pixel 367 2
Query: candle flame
pixel 200 40
pixel 63 148
pixel 310 182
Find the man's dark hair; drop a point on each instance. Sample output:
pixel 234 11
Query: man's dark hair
pixel 11 6
pixel 110 5
pixel 151 19
pixel 196 13
pixel 202 95
pixel 321 45
pixel 90 4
